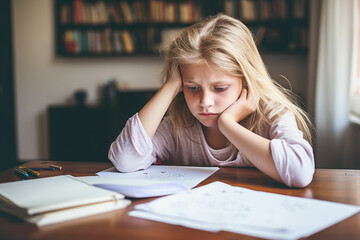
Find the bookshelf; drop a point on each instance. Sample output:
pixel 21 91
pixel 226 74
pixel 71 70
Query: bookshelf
pixel 278 25
pixel 105 28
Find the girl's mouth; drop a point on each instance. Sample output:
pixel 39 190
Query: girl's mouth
pixel 208 114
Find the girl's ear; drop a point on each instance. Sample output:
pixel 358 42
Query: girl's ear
pixel 244 83
pixel 182 82
pixel 179 69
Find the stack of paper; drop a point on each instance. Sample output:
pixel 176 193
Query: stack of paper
pixel 218 206
pixel 51 200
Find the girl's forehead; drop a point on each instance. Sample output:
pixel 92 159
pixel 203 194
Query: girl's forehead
pixel 205 72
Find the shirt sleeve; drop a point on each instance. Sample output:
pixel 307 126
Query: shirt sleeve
pixel 133 149
pixel 292 154
pixel 164 141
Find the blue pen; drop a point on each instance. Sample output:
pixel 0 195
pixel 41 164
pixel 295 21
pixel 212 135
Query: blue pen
pixel 42 168
pixel 22 173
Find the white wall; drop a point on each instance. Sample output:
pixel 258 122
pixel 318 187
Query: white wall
pixel 42 79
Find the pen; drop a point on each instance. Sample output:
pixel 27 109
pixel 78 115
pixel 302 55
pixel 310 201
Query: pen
pixel 28 170
pixel 21 172
pixel 56 167
pixel 42 168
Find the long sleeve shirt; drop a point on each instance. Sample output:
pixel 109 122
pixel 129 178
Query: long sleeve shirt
pixel 134 149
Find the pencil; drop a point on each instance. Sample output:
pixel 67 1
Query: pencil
pixel 28 170
pixel 21 172
pixel 56 167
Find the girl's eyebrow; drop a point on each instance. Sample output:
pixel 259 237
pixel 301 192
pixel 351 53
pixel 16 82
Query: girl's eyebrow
pixel 221 82
pixel 189 81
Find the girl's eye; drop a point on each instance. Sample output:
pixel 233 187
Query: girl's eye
pixel 220 89
pixel 194 88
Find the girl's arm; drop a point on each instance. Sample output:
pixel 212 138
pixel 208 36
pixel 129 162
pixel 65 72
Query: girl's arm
pixel 153 112
pixel 255 147
pixel 132 149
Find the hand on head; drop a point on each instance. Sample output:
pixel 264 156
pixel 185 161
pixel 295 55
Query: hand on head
pixel 176 80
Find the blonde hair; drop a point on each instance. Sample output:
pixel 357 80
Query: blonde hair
pixel 228 44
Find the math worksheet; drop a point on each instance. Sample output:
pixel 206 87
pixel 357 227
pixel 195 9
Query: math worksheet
pixel 188 176
pixel 221 207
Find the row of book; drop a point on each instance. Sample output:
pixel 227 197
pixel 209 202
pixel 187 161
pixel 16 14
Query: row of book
pixel 117 42
pixel 253 10
pixel 270 38
pixel 138 11
pixel 110 41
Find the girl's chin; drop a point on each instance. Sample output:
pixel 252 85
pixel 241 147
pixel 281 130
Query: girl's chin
pixel 208 124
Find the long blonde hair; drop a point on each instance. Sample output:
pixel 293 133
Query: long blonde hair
pixel 228 43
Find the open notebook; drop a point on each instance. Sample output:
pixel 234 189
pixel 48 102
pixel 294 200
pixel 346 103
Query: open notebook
pixel 51 200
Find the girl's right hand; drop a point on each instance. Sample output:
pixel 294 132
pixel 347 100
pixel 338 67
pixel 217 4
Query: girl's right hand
pixel 154 110
pixel 175 81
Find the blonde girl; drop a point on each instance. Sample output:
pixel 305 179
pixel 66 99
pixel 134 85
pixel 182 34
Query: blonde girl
pixel 223 110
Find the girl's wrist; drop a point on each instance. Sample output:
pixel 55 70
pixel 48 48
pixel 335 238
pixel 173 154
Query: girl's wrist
pixel 224 120
pixel 172 86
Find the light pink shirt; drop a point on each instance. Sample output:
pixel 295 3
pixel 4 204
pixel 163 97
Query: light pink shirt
pixel 134 150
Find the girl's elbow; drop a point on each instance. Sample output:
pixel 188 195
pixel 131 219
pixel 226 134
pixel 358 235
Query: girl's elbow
pixel 302 181
pixel 129 162
pixel 124 168
pixel 298 166
pixel 301 176
pixel 120 165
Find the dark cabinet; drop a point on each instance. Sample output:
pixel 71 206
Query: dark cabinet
pixel 84 133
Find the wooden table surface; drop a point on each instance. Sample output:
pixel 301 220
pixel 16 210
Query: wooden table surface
pixel 332 185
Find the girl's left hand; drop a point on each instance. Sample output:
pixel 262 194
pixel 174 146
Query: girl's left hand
pixel 241 108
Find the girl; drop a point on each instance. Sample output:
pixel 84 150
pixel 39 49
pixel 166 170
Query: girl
pixel 223 110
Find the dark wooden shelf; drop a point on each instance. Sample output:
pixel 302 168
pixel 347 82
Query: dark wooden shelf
pixel 285 32
pixel 126 25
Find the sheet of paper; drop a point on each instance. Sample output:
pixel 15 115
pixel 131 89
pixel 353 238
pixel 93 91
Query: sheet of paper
pixel 188 176
pixel 134 188
pixel 219 206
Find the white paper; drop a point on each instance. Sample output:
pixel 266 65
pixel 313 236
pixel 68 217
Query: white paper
pixel 218 206
pixel 188 176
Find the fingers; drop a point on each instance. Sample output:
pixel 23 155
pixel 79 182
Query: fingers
pixel 175 79
pixel 243 94
pixel 247 100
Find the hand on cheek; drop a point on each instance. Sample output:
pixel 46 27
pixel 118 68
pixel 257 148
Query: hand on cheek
pixel 241 108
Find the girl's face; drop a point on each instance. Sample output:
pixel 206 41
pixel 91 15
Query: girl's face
pixel 208 91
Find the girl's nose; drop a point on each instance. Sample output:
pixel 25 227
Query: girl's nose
pixel 206 100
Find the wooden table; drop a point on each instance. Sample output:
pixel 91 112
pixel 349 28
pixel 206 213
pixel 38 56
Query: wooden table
pixel 332 185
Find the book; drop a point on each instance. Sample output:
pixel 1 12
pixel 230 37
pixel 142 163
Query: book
pixel 127 12
pixel 78 5
pixel 56 199
pixel 231 7
pixel 128 41
pixel 117 40
pixel 248 10
pixel 259 34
